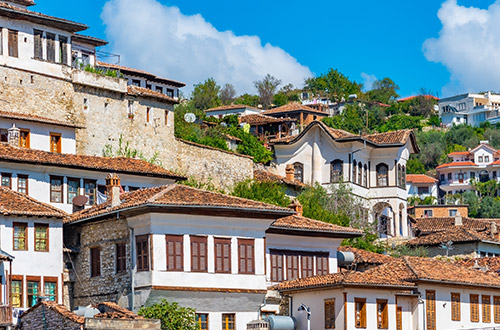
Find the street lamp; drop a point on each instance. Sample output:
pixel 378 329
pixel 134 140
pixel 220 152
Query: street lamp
pixel 303 307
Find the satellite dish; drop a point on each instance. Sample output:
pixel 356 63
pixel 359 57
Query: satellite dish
pixel 223 124
pixel 80 200
pixel 189 117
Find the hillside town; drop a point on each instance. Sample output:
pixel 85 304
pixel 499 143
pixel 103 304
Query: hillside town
pixel 128 203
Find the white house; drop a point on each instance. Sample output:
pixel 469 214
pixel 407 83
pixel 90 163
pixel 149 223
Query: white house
pixel 421 186
pixel 233 109
pixel 31 236
pixel 374 166
pixel 407 293
pixel 472 109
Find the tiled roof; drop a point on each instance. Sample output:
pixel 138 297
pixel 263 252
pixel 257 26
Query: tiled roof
pixel 459 153
pixel 290 107
pixel 366 257
pixel 333 132
pixel 457 164
pixel 420 178
pixel 394 137
pixel 144 92
pixel 457 234
pixel 37 119
pixel 405 271
pixel 89 40
pixel 489 264
pixel 117 164
pixel 114 311
pixel 435 224
pixel 24 2
pixel 232 107
pixel 175 195
pixel 14 203
pixel 62 310
pixel 263 176
pixel 258 119
pixel 140 73
pixel 415 96
pixel 296 222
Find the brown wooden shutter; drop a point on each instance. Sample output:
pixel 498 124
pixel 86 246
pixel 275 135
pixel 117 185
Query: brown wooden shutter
pixel 95 262
pixel 486 302
pixel 276 266
pixel 322 267
pixel 175 252
pixel 399 318
pixel 38 51
pixel 222 248
pixel 455 306
pixel 382 317
pixel 496 308
pixel 246 256
pixel 13 43
pixel 51 47
pixel 198 254
pixel 292 266
pixel 307 266
pixel 330 314
pixel 121 257
pixel 63 50
pixel 474 308
pixel 142 249
pixel 430 307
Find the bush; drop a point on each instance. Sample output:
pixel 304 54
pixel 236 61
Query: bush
pixel 171 315
pixel 267 192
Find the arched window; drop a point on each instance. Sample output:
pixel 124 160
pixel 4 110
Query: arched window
pixel 336 171
pixel 354 168
pixel 360 173
pixel 399 176
pixel 298 171
pixel 382 177
pixel 365 177
pixel 403 176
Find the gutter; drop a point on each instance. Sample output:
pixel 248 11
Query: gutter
pixel 341 285
pixel 461 283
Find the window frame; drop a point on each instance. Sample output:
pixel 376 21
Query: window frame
pixel 46 239
pixel 7 175
pixel 430 309
pixel 298 171
pixel 246 243
pixel 120 258
pixel 474 307
pixel 226 322
pixel 52 190
pixel 26 188
pixel 306 265
pixel 13 46
pixel 277 270
pixel 382 315
pixel 329 313
pixel 91 201
pixel 496 309
pixel 223 259
pixel 455 306
pixel 336 171
pixel 175 239
pixel 142 253
pixel 200 259
pixel 292 266
pixel 360 313
pixel 322 267
pixel 20 279
pixel 69 199
pixel 37 280
pixel 25 224
pixel 52 280
pixel 202 325
pixel 58 149
pixel 37 43
pixel 26 138
pixel 486 308
pixel 95 261
pixel 382 177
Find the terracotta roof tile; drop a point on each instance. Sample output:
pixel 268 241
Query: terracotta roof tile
pixel 459 153
pixel 258 119
pixel 366 257
pixel 488 264
pixel 263 176
pixel 415 96
pixel 144 92
pixel 62 310
pixel 14 203
pixel 303 223
pixel 178 195
pixel 293 107
pixel 454 164
pixel 37 119
pixel 435 224
pixel 333 132
pixel 420 178
pixel 112 310
pixel 118 164
pixel 457 234
pixel 394 137
pixel 141 73
pixel 232 107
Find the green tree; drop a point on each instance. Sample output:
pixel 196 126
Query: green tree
pixel 227 94
pixel 434 120
pixel 267 192
pixel 171 315
pixel 463 135
pixel 251 146
pixel 334 85
pixel 247 99
pixel 471 199
pixel 493 136
pixel 384 91
pixel 415 166
pixel 266 89
pixel 352 119
pixel 398 122
pixel 489 207
pixel 432 145
pixel 206 95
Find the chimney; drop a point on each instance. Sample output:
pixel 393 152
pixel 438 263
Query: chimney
pixel 494 230
pixel 296 206
pixel 458 219
pixel 13 136
pixel 113 189
pixel 290 172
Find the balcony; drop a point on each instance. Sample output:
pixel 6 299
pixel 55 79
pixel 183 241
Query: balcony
pixel 83 77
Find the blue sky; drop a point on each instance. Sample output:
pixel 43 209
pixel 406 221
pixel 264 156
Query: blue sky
pixel 377 38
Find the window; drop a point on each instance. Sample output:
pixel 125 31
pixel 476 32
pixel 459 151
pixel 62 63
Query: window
pixel 322 265
pixel 38 47
pixel 455 306
pixel 403 175
pixel 365 176
pixel 13 43
pixel 382 175
pixel 142 250
pixel 175 255
pixel 56 189
pixel 198 254
pixel 73 189
pixel 90 190
pixel 474 308
pixel 121 257
pixel 148 109
pixel 51 47
pixel 148 86
pixel 95 262
pixel 307 266
pixel 50 288
pixel 63 50
pixel 472 175
pixel 452 213
pixel 354 169
pixel 486 159
pixel 228 322
pixel 400 173
pixel 41 237
pixel 423 190
pixel 480 159
pixel 399 318
pixel 85 104
pixel 33 291
pixel 382 317
pixel 496 308
pixel 20 235
pixel 202 321
pixel 330 314
pixel 336 171
pixel 486 302
pixel 298 172
pixel 276 266
pixel 17 291
pixel 22 184
pixel 136 82
pixel 7 180
pixel 430 309
pixel 170 92
pixel 449 177
pixel 55 142
pixel 222 255
pixel 360 173
pixel 159 89
pixel 360 313
pixel 292 267
pixel 246 256
pixel 24 138
pixel 427 213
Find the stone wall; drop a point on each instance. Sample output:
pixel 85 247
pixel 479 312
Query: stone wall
pixel 460 250
pixel 54 321
pixel 221 168
pixel 110 286
pixel 115 324
pixel 441 210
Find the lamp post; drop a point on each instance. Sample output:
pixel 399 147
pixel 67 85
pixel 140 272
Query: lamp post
pixel 303 307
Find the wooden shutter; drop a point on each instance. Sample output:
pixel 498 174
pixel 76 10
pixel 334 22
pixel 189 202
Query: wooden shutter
pixel 496 308
pixel 121 257
pixel 430 309
pixel 307 266
pixel 330 314
pixel 246 256
pixel 360 312
pixel 486 302
pixel 474 308
pixel 322 264
pixel 142 251
pixel 399 318
pixel 292 267
pixel 63 50
pixel 222 255
pixel 382 319
pixel 455 306
pixel 13 43
pixel 51 47
pixel 38 47
pixel 198 254
pixel 175 252
pixel 276 266
pixel 95 262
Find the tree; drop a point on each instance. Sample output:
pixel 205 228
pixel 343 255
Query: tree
pixel 489 207
pixel 334 85
pixel 267 192
pixel 462 134
pixel 471 199
pixel 267 88
pixel 384 91
pixel 171 315
pixel 414 166
pixel 398 122
pixel 227 94
pixel 432 146
pixel 352 119
pixel 493 137
pixel 206 95
pixel 247 99
pixel 251 146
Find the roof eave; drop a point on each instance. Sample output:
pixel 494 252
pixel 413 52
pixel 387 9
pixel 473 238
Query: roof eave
pixel 340 285
pixel 311 232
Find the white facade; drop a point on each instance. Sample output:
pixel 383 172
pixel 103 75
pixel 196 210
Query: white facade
pixel 421 188
pixel 472 109
pixel 232 110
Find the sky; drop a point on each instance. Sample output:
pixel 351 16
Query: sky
pixel 445 47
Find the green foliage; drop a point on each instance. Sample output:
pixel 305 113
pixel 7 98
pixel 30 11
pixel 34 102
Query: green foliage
pixel 384 91
pixel 352 119
pixel 414 166
pixel 247 99
pixel 464 135
pixel 205 185
pixel 489 207
pixel 432 146
pixel 102 72
pixel 125 150
pixel 406 250
pixel 227 94
pixel 493 136
pixel 369 242
pixel 471 199
pixel 415 200
pixel 206 95
pixel 251 146
pixel 267 192
pixel 488 188
pixel 434 120
pixel 333 84
pixel 171 315
pixel 398 122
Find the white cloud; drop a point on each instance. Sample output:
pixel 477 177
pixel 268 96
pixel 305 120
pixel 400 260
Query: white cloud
pixel 468 45
pixel 368 80
pixel 160 39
